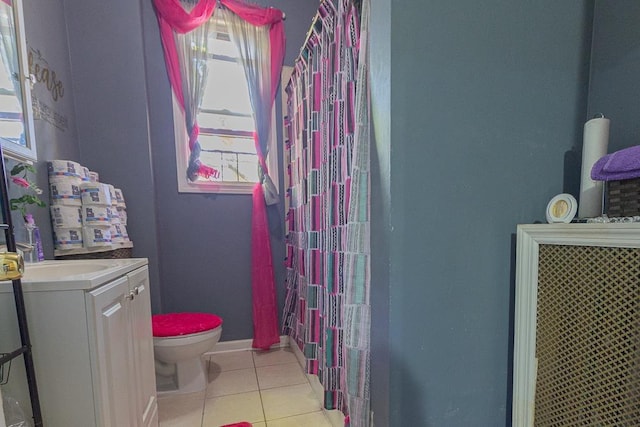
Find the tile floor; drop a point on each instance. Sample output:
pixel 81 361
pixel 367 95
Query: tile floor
pixel 267 389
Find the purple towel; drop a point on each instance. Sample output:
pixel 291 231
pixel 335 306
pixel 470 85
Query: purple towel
pixel 623 164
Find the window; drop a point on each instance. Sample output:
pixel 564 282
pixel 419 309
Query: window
pixel 226 126
pixel 10 107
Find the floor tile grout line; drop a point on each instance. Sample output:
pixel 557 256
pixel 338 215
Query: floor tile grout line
pixel 236 369
pixel 204 397
pixel 255 370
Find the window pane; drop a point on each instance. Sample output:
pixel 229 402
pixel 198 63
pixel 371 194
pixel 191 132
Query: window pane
pixel 226 144
pixel 215 161
pixel 226 88
pixel 232 156
pixel 226 156
pixel 222 47
pixel 9 102
pixel 230 167
pixel 10 109
pixel 223 121
pixel 248 167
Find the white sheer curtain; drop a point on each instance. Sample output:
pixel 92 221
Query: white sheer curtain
pixel 192 52
pixel 253 44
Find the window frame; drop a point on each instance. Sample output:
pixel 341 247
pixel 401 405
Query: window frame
pixel 216 187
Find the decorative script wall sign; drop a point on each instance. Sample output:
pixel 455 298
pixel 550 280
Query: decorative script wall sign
pixel 39 67
pixel 42 73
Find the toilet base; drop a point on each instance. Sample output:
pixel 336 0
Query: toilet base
pixel 190 376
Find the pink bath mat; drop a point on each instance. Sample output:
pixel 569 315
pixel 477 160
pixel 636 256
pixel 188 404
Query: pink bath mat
pixel 242 424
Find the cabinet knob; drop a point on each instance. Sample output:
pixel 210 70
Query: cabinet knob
pixel 131 295
pixel 136 290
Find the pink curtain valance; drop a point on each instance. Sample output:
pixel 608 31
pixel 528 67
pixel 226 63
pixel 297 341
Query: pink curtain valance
pixel 173 17
pixel 254 14
pixel 183 21
pixel 179 19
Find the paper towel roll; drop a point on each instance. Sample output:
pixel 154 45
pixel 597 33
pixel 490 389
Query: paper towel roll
pixel 125 233
pixel 67 238
pixel 96 215
pixel 115 216
pixel 65 190
pixel 96 236
pixel 64 168
pixel 119 198
pixel 66 216
pixel 594 146
pixel 116 233
pixel 122 214
pixel 94 176
pixel 112 192
pixel 95 193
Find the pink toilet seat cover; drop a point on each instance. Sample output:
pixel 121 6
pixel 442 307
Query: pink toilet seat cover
pixel 175 324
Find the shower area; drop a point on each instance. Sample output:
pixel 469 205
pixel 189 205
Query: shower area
pixel 327 143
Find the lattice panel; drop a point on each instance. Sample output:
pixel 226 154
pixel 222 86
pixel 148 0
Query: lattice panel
pixel 588 337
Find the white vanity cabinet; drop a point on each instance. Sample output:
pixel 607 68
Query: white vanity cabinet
pixel 123 350
pixel 92 347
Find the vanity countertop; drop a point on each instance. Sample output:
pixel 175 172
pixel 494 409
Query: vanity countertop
pixel 61 275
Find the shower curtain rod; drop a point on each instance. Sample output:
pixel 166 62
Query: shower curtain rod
pixel 314 21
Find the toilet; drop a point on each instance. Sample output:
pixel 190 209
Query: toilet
pixel 179 341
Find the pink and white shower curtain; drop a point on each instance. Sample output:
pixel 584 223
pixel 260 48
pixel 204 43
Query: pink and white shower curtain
pixel 327 310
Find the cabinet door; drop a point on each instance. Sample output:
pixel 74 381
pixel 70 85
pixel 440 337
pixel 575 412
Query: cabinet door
pixel 112 353
pixel 144 371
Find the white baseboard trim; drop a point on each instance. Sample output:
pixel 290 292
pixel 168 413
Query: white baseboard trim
pixel 242 345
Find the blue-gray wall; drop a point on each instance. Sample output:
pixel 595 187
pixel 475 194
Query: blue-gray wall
pixel 615 87
pixel 110 91
pixel 57 136
pixel 485 99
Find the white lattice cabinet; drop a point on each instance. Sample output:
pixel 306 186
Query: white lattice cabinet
pixel 577 325
pixel 93 349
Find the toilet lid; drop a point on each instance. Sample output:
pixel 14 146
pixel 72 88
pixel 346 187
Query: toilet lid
pixel 175 324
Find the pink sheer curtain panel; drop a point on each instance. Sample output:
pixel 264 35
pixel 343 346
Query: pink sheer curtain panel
pixel 172 17
pixel 265 314
pixel 265 311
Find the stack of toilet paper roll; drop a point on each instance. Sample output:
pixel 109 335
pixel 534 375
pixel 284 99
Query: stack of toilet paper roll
pixel 119 217
pixel 85 213
pixel 65 179
pixel 97 211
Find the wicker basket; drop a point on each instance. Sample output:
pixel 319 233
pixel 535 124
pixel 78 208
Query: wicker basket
pixel 622 198
pixel 116 253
